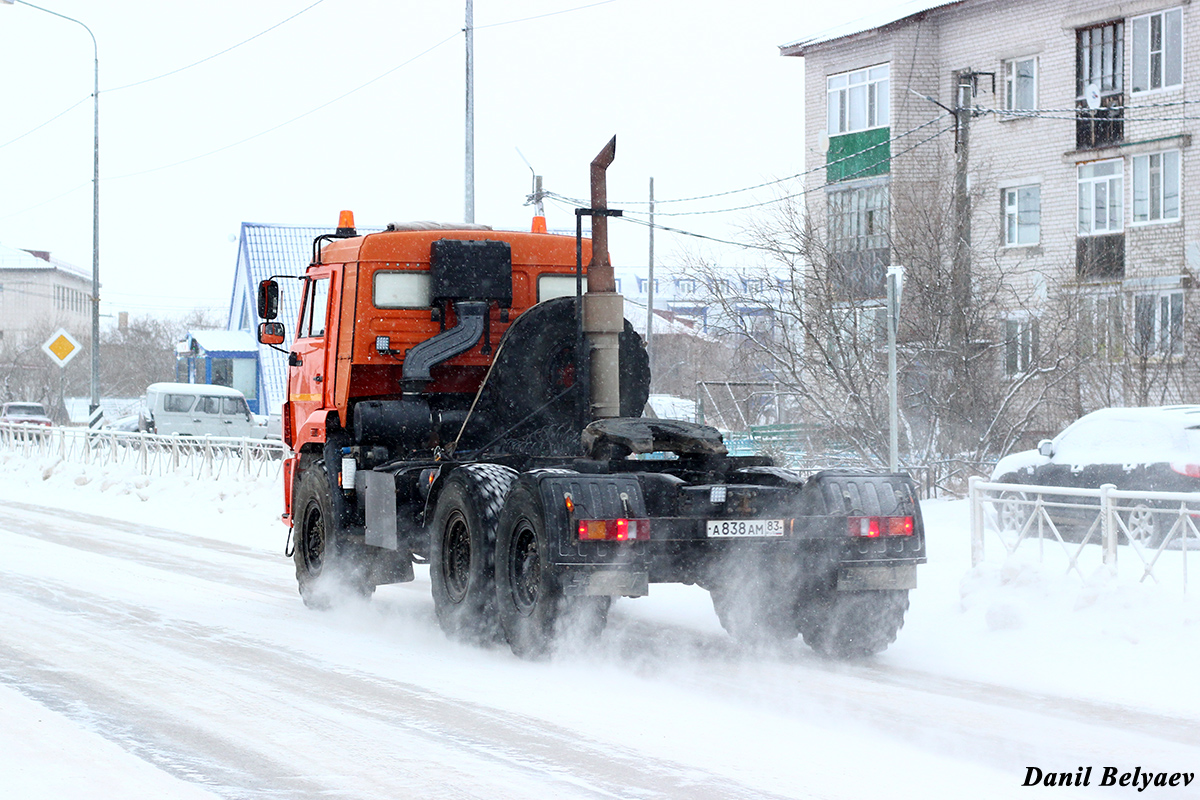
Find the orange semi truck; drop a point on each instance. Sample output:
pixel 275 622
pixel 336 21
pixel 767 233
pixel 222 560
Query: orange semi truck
pixel 456 398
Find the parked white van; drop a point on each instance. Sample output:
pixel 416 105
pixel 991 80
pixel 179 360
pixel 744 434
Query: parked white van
pixel 198 409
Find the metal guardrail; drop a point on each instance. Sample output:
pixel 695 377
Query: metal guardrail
pixel 200 456
pixel 1146 524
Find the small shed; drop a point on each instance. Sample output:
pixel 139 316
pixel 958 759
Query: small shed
pixel 221 358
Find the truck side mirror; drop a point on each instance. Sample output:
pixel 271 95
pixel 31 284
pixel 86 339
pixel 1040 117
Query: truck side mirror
pixel 1046 448
pixel 270 333
pixel 268 299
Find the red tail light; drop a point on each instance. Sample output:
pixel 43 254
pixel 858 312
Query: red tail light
pixel 614 530
pixel 874 527
pixel 1190 470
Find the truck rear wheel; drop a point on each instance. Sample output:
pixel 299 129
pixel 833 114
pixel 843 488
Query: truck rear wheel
pixel 534 612
pixel 854 624
pixel 324 561
pixel 462 550
pixel 754 613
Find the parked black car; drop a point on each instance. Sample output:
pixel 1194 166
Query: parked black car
pixel 1149 449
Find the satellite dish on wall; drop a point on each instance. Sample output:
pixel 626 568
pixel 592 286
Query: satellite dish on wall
pixel 1091 95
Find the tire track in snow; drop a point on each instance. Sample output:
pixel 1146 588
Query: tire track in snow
pixel 393 734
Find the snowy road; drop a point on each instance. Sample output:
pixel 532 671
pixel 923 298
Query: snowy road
pixel 195 654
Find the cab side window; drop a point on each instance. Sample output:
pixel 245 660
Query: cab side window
pixel 178 402
pixel 210 405
pixel 316 308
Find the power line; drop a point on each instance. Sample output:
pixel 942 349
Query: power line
pixel 1072 115
pixel 46 202
pixel 864 169
pixel 560 200
pixel 694 235
pixel 164 75
pixel 216 55
pixel 773 182
pixel 542 16
pixel 290 121
pixel 47 122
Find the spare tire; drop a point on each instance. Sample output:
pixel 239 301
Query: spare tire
pixel 534 381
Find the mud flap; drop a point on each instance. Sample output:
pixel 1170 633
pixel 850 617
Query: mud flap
pixel 607 582
pixel 380 488
pixel 897 576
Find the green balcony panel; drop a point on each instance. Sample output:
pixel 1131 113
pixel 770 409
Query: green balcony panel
pixel 858 155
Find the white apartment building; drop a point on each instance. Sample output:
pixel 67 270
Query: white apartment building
pixel 1084 187
pixel 39 294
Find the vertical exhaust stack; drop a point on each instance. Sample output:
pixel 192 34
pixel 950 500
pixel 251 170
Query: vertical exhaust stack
pixel 603 308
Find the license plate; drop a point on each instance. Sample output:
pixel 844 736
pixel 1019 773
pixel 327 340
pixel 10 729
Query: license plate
pixel 736 528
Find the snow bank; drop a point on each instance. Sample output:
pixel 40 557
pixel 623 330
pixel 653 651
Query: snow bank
pixel 1014 625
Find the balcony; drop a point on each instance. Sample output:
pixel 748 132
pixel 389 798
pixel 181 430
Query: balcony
pixel 1100 257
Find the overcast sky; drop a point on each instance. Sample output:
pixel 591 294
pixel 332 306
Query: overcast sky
pixel 359 104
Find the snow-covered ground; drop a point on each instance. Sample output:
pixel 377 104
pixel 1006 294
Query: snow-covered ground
pixel 1013 664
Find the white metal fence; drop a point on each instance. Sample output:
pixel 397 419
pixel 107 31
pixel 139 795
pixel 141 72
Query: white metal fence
pixel 1158 530
pixel 200 457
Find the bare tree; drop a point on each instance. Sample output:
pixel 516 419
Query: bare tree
pixel 970 387
pixel 142 351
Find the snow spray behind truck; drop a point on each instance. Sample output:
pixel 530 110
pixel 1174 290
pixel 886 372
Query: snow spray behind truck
pixel 456 397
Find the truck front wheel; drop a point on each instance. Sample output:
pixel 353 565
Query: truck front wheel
pixel 462 550
pixel 324 563
pixel 853 624
pixel 534 611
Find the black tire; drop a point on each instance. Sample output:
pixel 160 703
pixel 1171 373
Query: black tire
pixel 534 612
pixel 536 367
pixel 462 551
pixel 1147 527
pixel 754 609
pixel 853 624
pixel 1011 512
pixel 326 566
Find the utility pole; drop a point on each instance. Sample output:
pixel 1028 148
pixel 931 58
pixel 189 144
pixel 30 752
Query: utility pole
pixel 650 290
pixel 94 414
pixel 894 274
pixel 960 276
pixel 469 171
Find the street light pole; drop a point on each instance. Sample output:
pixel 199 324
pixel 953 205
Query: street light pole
pixel 94 418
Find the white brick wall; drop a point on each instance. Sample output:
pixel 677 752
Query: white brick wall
pixel 979 35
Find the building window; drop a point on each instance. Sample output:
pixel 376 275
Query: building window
pixel 858 100
pixel 1022 215
pixel 1020 345
pixel 1100 85
pixel 1020 84
pixel 1158 323
pixel 1156 187
pixel 1100 197
pixel 858 241
pixel 1101 326
pixel 1100 59
pixel 1157 50
pixel 686 285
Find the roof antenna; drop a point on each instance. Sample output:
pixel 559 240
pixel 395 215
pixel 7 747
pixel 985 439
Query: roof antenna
pixel 539 212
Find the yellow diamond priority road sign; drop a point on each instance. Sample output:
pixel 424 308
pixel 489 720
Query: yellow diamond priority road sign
pixel 61 347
